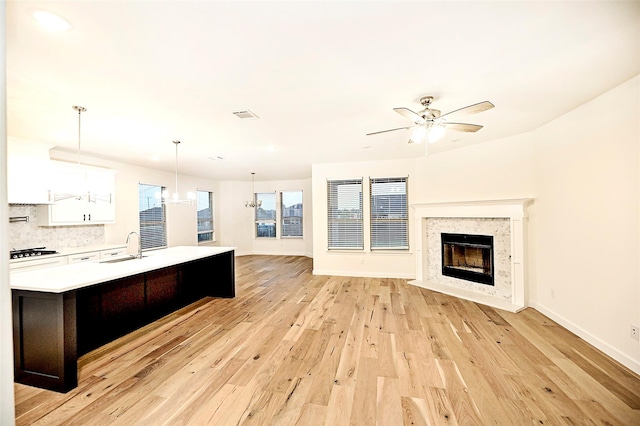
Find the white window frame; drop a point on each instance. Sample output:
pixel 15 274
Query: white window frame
pixel 145 242
pixel 396 215
pixel 352 227
pixel 273 221
pixel 210 218
pixel 283 217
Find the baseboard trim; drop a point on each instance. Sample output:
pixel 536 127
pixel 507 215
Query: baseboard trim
pixel 367 274
pixel 622 358
pixel 259 253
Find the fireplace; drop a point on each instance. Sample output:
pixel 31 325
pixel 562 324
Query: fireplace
pixel 504 220
pixel 468 257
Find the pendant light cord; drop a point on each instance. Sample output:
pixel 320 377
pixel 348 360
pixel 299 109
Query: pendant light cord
pixel 177 142
pixel 79 139
pixel 80 111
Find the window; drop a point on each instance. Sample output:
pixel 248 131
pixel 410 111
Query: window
pixel 389 219
pixel 291 208
pixel 204 201
pixel 153 222
pixel 266 215
pixel 344 200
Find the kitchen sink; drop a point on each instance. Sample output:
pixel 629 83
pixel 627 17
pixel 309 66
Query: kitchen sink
pixel 121 259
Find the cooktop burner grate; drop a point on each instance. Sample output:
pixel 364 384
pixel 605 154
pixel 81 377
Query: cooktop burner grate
pixel 30 252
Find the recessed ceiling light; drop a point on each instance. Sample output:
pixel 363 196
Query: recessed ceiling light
pixel 216 158
pixel 51 22
pixel 156 158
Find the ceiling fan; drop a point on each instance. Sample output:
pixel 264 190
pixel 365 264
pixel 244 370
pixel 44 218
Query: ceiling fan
pixel 431 124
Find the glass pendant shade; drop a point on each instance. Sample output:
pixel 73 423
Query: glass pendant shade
pixel 435 133
pixel 417 136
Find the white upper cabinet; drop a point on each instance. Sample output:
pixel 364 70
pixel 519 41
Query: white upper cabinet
pixel 28 172
pixel 83 196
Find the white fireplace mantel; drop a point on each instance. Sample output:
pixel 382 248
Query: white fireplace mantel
pixel 513 209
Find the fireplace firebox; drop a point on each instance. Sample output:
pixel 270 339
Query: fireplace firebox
pixel 468 257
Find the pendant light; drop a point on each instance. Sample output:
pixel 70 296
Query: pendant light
pixel 175 198
pixel 78 188
pixel 80 184
pixel 253 203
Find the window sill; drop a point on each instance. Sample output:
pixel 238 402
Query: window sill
pixel 371 252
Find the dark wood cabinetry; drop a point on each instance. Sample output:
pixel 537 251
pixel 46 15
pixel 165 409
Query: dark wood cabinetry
pixel 52 329
pixel 44 334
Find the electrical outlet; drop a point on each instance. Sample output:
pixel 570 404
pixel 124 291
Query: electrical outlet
pixel 635 334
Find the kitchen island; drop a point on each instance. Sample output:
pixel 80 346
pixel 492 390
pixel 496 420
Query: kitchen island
pixel 63 312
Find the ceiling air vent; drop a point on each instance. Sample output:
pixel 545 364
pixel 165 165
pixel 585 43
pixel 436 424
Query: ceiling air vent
pixel 245 115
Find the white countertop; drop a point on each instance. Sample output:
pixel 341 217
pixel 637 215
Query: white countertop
pixel 71 277
pixel 69 251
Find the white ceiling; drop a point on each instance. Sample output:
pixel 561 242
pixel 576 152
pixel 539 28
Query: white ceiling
pixel 320 75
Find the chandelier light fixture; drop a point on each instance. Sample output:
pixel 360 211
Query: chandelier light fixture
pixel 175 197
pixel 253 203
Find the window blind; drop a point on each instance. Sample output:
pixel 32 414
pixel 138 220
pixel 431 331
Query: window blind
pixel 344 216
pixel 153 223
pixel 389 213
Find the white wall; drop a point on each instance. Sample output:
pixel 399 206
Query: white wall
pixel 7 410
pixel 238 220
pixel 583 171
pixel 500 169
pixel 181 219
pixel 493 170
pixel 587 237
pixel 395 264
pixel 234 223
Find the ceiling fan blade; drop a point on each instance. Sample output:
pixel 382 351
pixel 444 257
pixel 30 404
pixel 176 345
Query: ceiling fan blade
pixel 462 127
pixel 407 113
pixel 391 130
pixel 471 109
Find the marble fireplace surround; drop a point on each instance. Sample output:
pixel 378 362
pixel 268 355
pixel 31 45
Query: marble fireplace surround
pixel 514 210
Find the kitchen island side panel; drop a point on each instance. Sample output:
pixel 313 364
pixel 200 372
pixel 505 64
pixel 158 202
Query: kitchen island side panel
pixel 44 327
pixel 212 276
pixel 52 329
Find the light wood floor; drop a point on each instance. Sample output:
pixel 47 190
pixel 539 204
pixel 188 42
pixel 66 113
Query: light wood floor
pixel 293 348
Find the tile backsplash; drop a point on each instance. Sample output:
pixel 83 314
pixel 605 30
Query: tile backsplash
pixel 29 234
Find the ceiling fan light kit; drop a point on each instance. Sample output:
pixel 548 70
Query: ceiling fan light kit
pixel 435 133
pixel 432 125
pixel 418 134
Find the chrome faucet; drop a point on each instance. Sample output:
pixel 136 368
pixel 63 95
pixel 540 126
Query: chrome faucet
pixel 139 255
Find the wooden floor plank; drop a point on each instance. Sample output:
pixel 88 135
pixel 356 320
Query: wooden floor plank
pixel 296 348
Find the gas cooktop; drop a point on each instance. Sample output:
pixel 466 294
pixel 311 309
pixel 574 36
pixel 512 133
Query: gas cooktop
pixel 30 252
